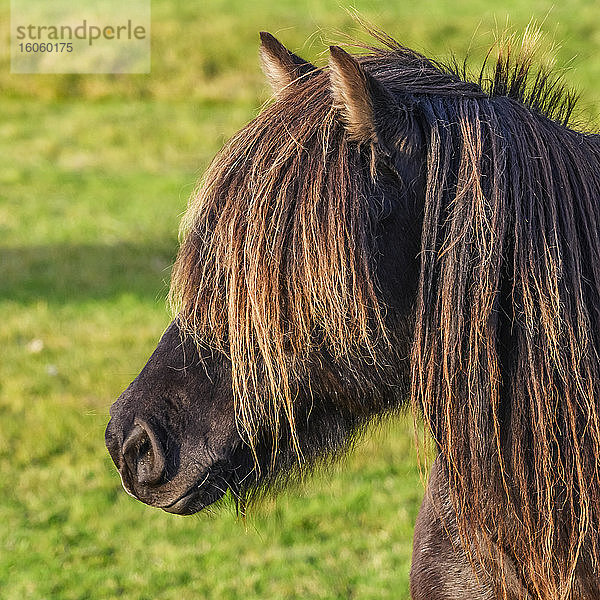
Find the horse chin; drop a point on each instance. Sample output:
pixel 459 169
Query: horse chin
pixel 193 502
pixel 202 494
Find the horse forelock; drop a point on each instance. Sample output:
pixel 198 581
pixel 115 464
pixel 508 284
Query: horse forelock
pixel 275 260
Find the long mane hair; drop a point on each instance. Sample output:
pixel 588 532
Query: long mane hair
pixel 276 261
pixel 505 355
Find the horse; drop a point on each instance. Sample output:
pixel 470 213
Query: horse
pixel 392 231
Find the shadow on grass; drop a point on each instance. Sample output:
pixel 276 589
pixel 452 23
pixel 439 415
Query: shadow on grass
pixel 70 273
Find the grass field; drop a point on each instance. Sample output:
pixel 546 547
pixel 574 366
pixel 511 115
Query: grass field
pixel 95 174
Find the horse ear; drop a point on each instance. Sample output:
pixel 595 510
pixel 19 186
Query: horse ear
pixel 367 107
pixel 281 66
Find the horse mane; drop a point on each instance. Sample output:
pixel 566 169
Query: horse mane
pixel 507 324
pixel 276 261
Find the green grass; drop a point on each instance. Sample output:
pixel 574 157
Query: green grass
pixel 95 174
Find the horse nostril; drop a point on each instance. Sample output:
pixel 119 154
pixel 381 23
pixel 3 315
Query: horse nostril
pixel 144 454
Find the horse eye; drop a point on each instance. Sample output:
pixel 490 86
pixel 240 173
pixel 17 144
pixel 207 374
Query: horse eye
pixel 386 167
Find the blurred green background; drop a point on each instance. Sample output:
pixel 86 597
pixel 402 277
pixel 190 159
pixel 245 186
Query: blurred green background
pixel 96 171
